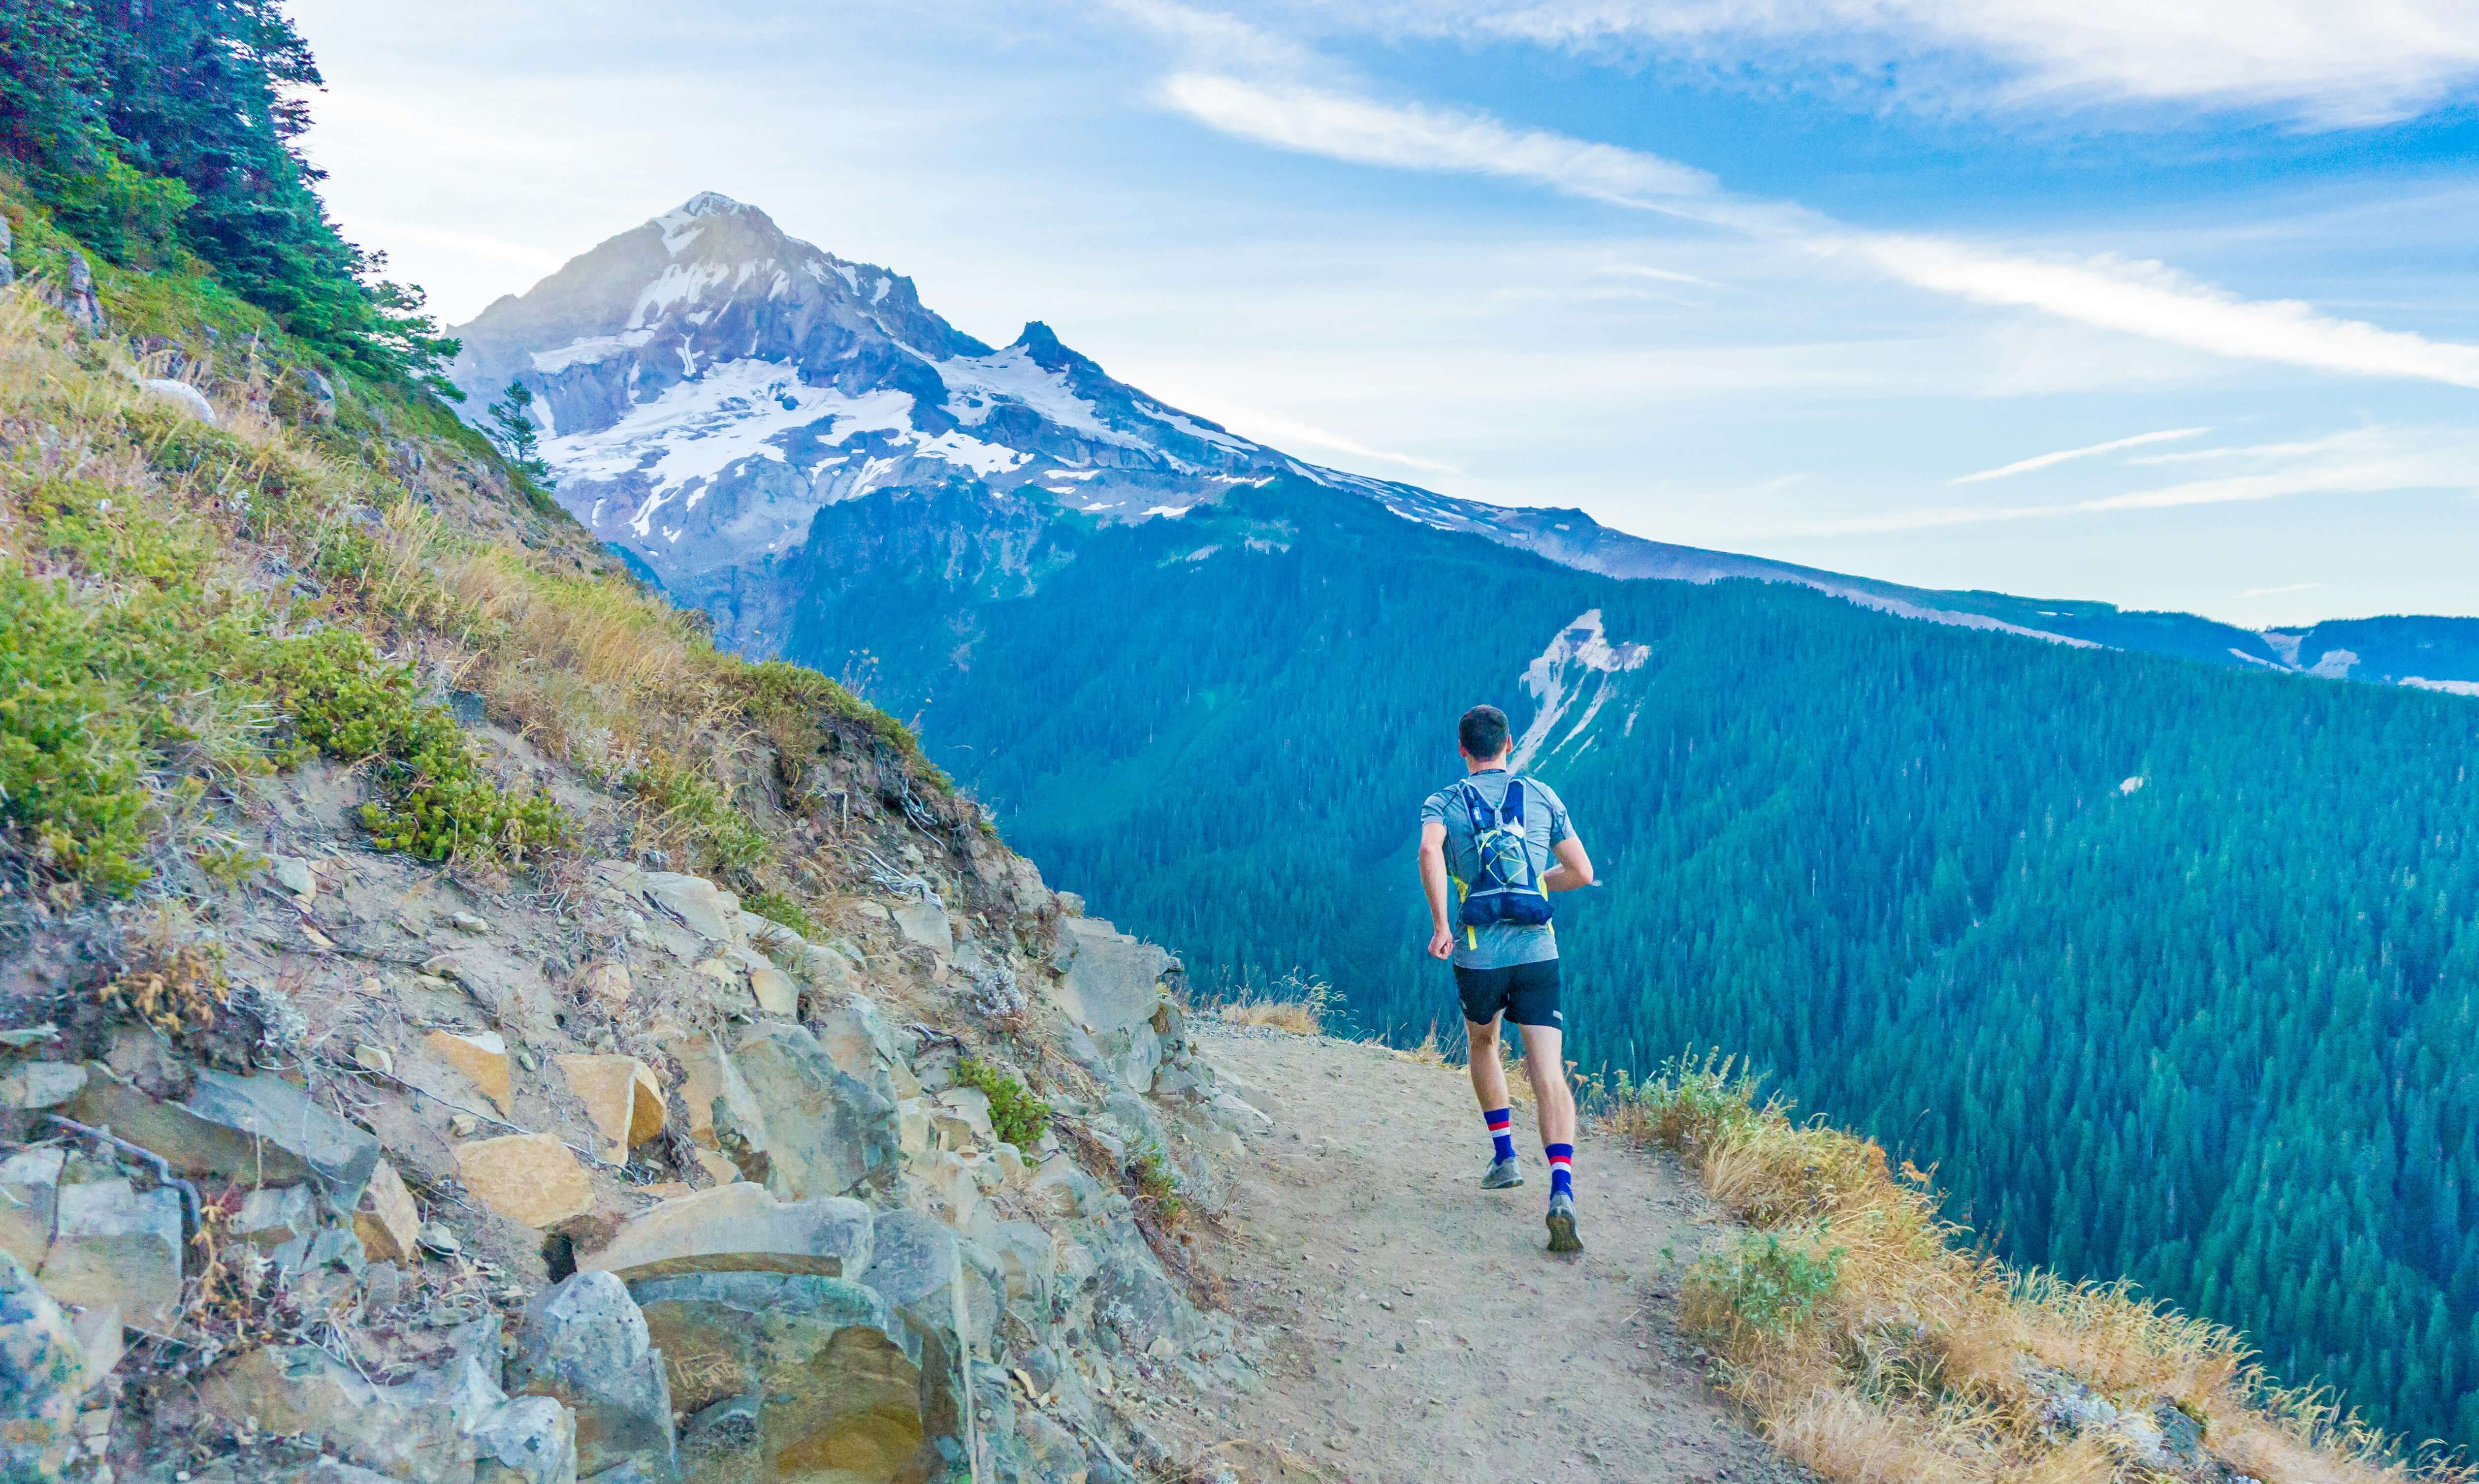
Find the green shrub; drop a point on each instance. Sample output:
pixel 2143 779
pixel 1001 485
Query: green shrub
pixel 1157 1184
pixel 778 907
pixel 688 800
pixel 103 677
pixel 1016 1116
pixel 1765 1286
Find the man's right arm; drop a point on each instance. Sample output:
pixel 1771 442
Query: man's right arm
pixel 1433 881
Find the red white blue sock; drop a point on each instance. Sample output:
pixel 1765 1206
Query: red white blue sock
pixel 1562 1168
pixel 1501 1132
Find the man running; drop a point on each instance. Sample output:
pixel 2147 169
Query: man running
pixel 1490 836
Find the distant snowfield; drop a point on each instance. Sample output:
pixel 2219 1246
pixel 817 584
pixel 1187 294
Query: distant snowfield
pixel 1579 668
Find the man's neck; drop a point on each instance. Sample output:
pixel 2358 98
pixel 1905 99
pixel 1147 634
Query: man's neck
pixel 1493 765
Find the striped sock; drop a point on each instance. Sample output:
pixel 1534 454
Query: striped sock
pixel 1501 1132
pixel 1562 1168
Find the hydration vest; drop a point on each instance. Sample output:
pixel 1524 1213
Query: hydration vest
pixel 1506 883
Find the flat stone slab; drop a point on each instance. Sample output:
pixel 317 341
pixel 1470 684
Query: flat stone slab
pixel 740 1227
pixel 532 1179
pixel 259 1130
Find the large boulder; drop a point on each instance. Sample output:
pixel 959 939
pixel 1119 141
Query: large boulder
pixel 827 1132
pixel 924 923
pixel 702 907
pixel 622 1099
pixel 529 1440
pixel 257 1130
pixel 584 1344
pixel 914 1266
pixel 41 1373
pixel 409 1432
pixel 1108 980
pixel 787 1376
pixel 740 1227
pixel 115 1246
pixel 445 1426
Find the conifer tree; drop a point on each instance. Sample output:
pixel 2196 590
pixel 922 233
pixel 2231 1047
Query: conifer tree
pixel 512 429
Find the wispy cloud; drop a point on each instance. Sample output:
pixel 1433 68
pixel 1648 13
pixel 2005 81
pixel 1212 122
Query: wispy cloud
pixel 2044 461
pixel 1648 271
pixel 2369 461
pixel 1290 432
pixel 2139 298
pixel 1409 137
pixel 2150 299
pixel 2321 63
pixel 2295 587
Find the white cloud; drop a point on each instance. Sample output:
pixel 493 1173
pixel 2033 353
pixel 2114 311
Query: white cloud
pixel 1408 136
pixel 2044 461
pixel 1287 433
pixel 2150 299
pixel 2368 461
pixel 2295 587
pixel 2146 299
pixel 2320 62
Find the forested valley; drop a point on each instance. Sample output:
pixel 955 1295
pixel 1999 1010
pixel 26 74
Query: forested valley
pixel 2169 971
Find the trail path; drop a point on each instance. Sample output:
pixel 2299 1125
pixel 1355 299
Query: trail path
pixel 1432 1339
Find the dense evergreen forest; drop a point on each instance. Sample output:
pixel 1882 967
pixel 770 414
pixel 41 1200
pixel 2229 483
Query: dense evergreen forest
pixel 157 128
pixel 2210 1029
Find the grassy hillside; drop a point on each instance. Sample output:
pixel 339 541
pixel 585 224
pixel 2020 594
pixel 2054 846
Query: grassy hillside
pixel 2201 1031
pixel 185 604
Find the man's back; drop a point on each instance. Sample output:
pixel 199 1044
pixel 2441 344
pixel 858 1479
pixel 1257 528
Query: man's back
pixel 1500 945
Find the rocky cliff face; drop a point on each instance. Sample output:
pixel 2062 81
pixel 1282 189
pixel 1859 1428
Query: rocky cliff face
pixel 613 1180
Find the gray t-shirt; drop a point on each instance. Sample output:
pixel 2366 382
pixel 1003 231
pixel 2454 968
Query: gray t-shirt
pixel 1500 945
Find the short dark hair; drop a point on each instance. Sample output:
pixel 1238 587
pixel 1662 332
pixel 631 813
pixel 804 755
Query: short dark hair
pixel 1483 732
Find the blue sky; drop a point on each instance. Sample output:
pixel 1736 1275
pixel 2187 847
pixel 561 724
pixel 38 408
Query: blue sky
pixel 1831 281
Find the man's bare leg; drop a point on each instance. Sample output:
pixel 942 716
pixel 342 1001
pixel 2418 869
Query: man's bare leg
pixel 1545 1064
pixel 1555 1100
pixel 1489 1086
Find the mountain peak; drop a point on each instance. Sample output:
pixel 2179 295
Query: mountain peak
pixel 711 203
pixel 1042 347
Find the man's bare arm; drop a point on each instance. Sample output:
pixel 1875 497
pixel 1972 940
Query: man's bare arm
pixel 1433 881
pixel 1574 869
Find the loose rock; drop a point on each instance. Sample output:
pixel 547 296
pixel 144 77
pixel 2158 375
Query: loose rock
pixel 531 1180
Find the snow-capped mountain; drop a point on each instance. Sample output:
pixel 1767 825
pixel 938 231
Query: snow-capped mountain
pixel 706 384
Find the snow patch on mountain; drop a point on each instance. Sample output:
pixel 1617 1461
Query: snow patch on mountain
pixel 1580 670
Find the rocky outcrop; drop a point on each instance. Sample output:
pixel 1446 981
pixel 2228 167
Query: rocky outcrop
pixel 707 1203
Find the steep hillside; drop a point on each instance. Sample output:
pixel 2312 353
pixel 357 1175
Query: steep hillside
pixel 707 385
pixel 457 1027
pixel 2159 964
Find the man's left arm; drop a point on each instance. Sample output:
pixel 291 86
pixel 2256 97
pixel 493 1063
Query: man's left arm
pixel 1574 869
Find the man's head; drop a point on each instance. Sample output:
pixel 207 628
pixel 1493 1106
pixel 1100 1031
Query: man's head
pixel 1483 735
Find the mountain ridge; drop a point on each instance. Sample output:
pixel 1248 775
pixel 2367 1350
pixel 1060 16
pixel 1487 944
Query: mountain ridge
pixel 708 384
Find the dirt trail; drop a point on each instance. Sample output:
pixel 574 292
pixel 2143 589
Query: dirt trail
pixel 1430 1337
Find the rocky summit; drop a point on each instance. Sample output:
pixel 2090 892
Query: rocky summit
pixel 707 384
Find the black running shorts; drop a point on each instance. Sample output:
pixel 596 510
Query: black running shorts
pixel 1527 994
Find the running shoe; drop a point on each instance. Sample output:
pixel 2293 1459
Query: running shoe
pixel 1504 1174
pixel 1562 1224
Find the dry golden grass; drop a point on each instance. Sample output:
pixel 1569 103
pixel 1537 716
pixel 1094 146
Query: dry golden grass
pixel 1874 1344
pixel 1280 1015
